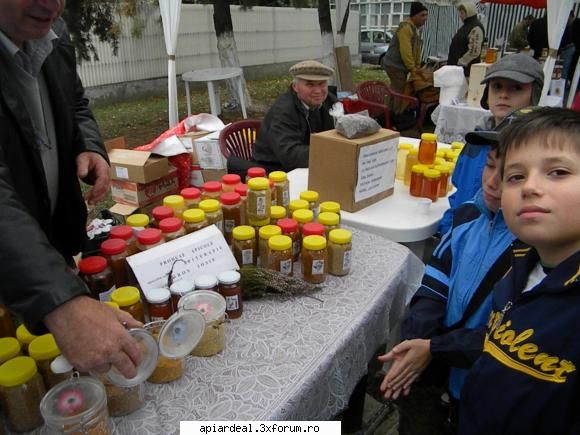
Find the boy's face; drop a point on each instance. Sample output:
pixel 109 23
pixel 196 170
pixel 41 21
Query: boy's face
pixel 541 197
pixel 506 95
pixel 491 181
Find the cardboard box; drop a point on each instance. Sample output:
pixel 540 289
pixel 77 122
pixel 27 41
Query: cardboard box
pixel 208 153
pixel 116 143
pixel 140 195
pixel 137 166
pixel 354 172
pixel 122 211
pixel 188 139
pixel 475 89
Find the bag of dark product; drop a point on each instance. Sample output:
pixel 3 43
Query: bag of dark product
pixel 354 126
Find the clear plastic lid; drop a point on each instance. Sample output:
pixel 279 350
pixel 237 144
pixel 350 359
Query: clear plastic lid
pixel 210 304
pixel 181 333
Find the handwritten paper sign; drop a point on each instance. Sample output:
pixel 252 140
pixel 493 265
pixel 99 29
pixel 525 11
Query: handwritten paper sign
pixel 199 253
pixel 376 169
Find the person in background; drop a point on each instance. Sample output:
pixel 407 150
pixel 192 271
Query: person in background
pixel 465 48
pixel 48 140
pixel 513 82
pixel 283 141
pixel 538 35
pixel 527 380
pixel 518 39
pixel 404 53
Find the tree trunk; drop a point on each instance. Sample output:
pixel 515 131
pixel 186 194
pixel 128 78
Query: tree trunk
pixel 342 29
pixel 326 33
pixel 226 45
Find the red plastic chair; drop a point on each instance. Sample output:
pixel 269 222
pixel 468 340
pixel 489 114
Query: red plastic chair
pixel 238 138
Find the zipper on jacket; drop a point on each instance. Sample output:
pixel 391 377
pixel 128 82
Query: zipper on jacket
pixel 505 309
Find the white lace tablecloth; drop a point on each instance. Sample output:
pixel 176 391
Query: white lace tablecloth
pixel 291 359
pixel 454 122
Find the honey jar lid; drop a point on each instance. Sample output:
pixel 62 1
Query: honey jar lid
pixel 17 371
pixel 43 348
pixel 431 173
pixel 297 204
pixel 340 236
pixel 190 193
pixel 278 176
pixel 174 201
pixel 429 136
pixel 303 216
pixel 277 212
pixel 24 335
pixel 457 145
pixel 280 243
pixel 138 220
pixel 209 205
pixel 258 183
pixel 331 206
pixel 158 295
pixel 328 218
pixel 243 232
pixel 212 186
pixel 113 305
pixel 309 195
pixel 314 243
pixel 193 215
pixel 205 282
pixel 126 296
pixel 231 179
pixel 405 146
pixel 182 287
pixel 229 277
pixel 181 333
pixel 268 231
pixel 209 303
pixel 256 171
pixel 9 348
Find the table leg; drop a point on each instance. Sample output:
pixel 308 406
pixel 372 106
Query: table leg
pixel 188 98
pixel 214 98
pixel 241 95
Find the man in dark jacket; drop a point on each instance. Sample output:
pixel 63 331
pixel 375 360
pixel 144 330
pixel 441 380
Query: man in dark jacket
pixel 284 137
pixel 49 139
pixel 465 48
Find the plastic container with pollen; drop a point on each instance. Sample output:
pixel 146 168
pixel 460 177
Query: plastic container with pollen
pixel 313 199
pixel 159 213
pixel 280 258
pixel 244 245
pixel 277 212
pixel 172 228
pixel 44 350
pixel 149 239
pixel 259 198
pixel 194 220
pixel 129 300
pixel 125 233
pixel 313 229
pixel 339 252
pixel 242 190
pixel 330 222
pixel 282 187
pixel 314 259
pixel 24 337
pixel 213 213
pixel 176 203
pixel 230 182
pixel 255 172
pixel 191 197
pixel 9 348
pixel 211 190
pixel 297 204
pixel 289 228
pixel 264 234
pixel 331 207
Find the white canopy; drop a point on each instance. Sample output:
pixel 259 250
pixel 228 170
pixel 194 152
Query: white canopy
pixel 170 14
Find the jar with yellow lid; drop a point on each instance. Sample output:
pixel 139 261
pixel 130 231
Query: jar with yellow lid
pixel 213 213
pixel 402 153
pixel 9 348
pixel 176 203
pixel 277 212
pixel 313 199
pixel 445 172
pixel 302 217
pixel 7 328
pixel 314 259
pixel 244 245
pixel 191 197
pixel 257 224
pixel 280 258
pixel 265 233
pixel 330 207
pixel 194 220
pixel 452 155
pixel 289 228
pixel 129 300
pixel 339 252
pixel 24 337
pixel 427 148
pixel 430 189
pixel 113 305
pixel 438 161
pixel 416 187
pixel 44 350
pixel 329 220
pixel 409 163
pixel 21 391
pixel 457 145
pixel 282 186
pixel 138 222
pixel 259 198
pixel 296 204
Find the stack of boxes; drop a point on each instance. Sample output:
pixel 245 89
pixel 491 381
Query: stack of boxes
pixel 207 161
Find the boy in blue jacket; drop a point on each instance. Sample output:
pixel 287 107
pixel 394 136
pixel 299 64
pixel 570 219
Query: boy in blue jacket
pixel 526 380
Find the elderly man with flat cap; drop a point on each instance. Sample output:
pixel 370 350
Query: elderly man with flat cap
pixel 284 137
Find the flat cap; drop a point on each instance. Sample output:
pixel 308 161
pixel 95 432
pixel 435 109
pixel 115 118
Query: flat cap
pixel 518 67
pixel 311 70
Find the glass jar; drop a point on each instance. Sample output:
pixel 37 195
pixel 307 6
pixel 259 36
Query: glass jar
pixel 277 212
pixel 427 148
pixel 21 391
pixel 213 213
pixel 191 197
pixel 230 289
pixel 124 400
pixel 44 350
pixel 9 348
pixel 242 190
pixel 452 155
pixel 264 234
pixel 124 232
pixel 25 337
pixel 211 190
pixel 194 220
pixel 176 203
pixel 138 222
pixel 7 328
pixel 257 224
pixel 178 290
pixel 115 251
pixel 230 182
pixel 280 258
pixel 206 282
pixel 339 252
pixel 409 163
pixel 98 277
pixel 259 198
pixel 416 187
pixel 149 238
pixel 158 214
pixel 167 369
pixel 255 172
pixel 289 228
pixel 431 179
pixel 129 300
pixel 445 171
pixel 172 228
pixel 313 229
pixel 331 207
pixel 296 204
pixel 401 159
pixel 312 198
pixel 159 301
pixel 232 211
pixel 244 245
pixel 282 186
pixel 273 198
pixel 302 217
pixel 329 220
pixel 314 261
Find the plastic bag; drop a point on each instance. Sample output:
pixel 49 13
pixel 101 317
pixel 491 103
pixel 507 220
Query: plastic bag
pixel 353 126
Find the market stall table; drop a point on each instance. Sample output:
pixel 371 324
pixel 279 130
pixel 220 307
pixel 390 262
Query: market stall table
pixel 455 121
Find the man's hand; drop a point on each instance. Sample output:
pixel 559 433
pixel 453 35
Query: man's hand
pixel 93 167
pixel 92 336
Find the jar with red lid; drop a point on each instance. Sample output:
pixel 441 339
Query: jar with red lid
pixel 242 190
pixel 289 228
pixel 115 251
pixel 431 184
pixel 160 307
pixel 148 239
pixel 211 190
pixel 232 211
pixel 230 289
pixel 191 196
pixel 194 220
pixel 427 149
pixel 125 232
pixel 255 172
pixel 313 229
pixel 96 273
pixel 172 228
pixel 159 213
pixel 230 182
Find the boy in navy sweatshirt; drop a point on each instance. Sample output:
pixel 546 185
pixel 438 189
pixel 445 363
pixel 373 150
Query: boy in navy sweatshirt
pixel 526 381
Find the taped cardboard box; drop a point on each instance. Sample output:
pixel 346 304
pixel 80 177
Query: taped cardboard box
pixel 137 166
pixel 140 195
pixel 353 172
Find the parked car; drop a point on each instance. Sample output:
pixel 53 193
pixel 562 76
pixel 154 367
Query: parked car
pixel 374 43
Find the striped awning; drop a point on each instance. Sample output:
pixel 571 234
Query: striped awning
pixel 537 4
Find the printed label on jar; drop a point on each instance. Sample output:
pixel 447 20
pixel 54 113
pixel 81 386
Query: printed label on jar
pixel 295 247
pixel 229 224
pixel 260 205
pixel 247 256
pixel 106 296
pixel 317 267
pixel 346 260
pixel 155 318
pixel 285 198
pixel 232 303
pixel 286 266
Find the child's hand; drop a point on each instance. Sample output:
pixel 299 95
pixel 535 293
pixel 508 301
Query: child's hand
pixel 410 358
pixel 390 393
